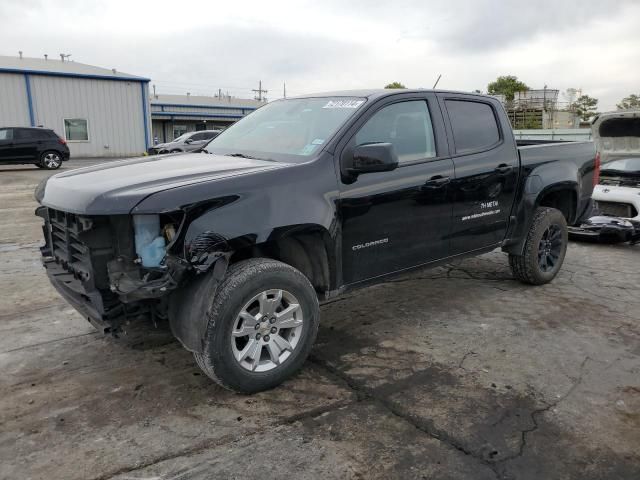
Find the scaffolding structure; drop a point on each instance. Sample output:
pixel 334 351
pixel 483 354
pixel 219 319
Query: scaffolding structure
pixel 533 109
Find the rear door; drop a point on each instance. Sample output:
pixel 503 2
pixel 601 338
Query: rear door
pixel 399 219
pixel 25 144
pixel 486 165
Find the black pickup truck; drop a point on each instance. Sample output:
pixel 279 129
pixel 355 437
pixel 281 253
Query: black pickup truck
pixel 298 202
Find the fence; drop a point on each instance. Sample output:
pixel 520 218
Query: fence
pixel 575 134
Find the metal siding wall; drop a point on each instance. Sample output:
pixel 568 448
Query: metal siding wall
pixel 212 109
pixel 112 108
pixel 14 110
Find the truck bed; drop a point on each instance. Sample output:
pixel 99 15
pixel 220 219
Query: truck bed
pixel 568 157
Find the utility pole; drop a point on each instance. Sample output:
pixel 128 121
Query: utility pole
pixel 220 93
pixel 259 91
pixel 284 89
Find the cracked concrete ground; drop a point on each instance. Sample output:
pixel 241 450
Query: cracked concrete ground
pixel 458 372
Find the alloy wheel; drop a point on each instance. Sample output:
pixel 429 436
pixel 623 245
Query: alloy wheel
pixel 267 330
pixel 51 160
pixel 550 248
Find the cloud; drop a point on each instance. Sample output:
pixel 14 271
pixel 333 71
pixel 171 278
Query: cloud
pixel 339 44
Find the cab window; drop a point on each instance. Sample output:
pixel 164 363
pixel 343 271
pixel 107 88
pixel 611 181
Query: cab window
pixel 474 125
pixel 406 125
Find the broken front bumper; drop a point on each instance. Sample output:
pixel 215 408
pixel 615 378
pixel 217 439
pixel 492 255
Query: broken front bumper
pixel 89 304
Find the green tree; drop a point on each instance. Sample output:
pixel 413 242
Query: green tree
pixel 506 85
pixel 630 102
pixel 585 107
pixel 395 85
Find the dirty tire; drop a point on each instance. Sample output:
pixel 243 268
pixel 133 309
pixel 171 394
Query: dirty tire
pixel 242 282
pixel 526 267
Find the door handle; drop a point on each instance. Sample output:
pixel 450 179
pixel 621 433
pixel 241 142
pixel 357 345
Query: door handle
pixel 504 168
pixel 437 181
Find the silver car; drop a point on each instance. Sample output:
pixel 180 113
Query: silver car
pixel 187 142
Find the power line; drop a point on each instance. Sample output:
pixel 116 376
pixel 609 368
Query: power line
pixel 259 91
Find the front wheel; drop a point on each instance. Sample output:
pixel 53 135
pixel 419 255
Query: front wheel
pixel 50 160
pixel 544 249
pixel 263 321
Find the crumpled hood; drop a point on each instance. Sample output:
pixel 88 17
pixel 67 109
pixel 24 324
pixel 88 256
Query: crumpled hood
pixel 117 187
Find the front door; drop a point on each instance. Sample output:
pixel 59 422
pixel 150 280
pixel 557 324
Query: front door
pixel 6 143
pixel 399 219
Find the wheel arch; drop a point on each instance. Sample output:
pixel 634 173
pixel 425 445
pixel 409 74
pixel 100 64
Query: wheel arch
pixel 562 196
pixel 308 248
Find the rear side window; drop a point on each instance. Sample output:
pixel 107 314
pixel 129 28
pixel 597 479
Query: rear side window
pixel 406 125
pixel 474 125
pixel 6 134
pixel 33 134
pixel 199 136
pixel 24 134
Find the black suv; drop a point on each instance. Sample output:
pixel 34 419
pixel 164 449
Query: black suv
pixel 40 146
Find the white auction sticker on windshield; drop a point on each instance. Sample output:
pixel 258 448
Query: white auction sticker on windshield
pixel 343 103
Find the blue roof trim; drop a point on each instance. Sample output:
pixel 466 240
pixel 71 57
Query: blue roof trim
pixel 145 115
pixel 74 75
pixel 188 114
pixel 27 83
pixel 220 107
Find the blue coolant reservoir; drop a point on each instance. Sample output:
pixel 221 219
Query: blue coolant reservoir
pixel 150 244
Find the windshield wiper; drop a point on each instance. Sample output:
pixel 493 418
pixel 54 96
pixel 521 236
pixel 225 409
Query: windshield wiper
pixel 244 155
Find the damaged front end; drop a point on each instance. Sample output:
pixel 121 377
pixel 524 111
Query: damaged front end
pixel 607 229
pixel 115 269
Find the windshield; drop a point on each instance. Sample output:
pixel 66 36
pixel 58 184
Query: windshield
pixel 628 165
pixel 297 128
pixel 181 137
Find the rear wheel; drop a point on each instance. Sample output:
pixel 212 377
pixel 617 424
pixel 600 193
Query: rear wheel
pixel 544 249
pixel 263 321
pixel 50 160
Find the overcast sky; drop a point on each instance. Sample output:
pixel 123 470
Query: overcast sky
pixel 200 46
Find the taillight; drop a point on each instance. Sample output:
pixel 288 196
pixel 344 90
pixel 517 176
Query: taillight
pixel 62 141
pixel 596 170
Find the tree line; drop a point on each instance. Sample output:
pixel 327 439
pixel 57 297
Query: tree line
pixel 585 106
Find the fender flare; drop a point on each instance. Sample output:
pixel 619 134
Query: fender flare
pixel 533 192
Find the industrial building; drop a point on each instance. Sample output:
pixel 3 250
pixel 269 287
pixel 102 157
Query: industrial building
pixel 103 112
pixel 173 115
pixel 98 111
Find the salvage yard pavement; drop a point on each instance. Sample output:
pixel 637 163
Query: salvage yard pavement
pixel 458 372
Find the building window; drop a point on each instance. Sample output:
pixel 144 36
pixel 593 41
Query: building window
pixel 76 129
pixel 179 130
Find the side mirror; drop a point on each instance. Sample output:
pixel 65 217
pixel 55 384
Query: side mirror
pixel 373 157
pixel 188 141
